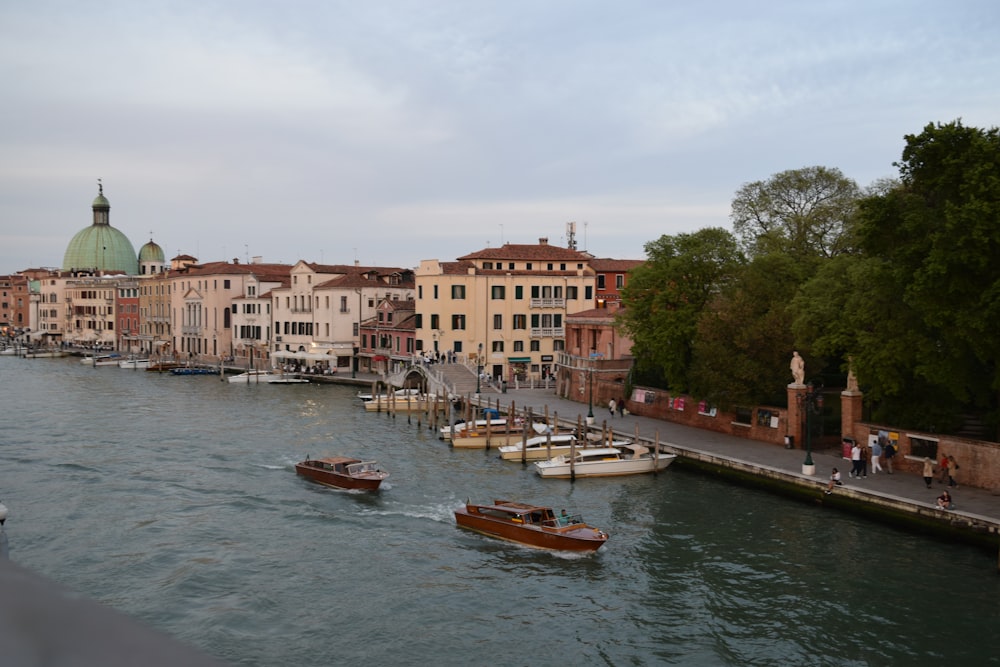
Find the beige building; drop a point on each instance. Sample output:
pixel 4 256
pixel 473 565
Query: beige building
pixel 503 309
pixel 318 314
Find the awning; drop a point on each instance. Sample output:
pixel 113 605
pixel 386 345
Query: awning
pixel 519 360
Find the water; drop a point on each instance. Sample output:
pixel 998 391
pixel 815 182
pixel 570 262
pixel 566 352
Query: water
pixel 174 500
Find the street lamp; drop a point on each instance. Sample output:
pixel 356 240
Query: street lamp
pixel 812 402
pixel 479 368
pixel 590 395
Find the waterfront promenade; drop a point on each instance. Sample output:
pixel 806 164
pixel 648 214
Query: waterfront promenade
pixel 976 510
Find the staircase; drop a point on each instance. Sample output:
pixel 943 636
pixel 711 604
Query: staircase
pixel 445 379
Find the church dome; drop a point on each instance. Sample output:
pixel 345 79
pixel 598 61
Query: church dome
pixel 100 246
pixel 151 252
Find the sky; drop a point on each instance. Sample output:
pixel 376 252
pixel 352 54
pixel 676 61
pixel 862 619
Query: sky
pixel 391 132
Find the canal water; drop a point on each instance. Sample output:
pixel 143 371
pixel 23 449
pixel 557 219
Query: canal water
pixel 175 501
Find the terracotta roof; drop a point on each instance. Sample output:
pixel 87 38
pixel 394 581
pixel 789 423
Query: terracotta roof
pixel 536 252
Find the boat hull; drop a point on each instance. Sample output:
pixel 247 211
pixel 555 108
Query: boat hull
pixel 571 537
pixel 560 469
pixel 316 471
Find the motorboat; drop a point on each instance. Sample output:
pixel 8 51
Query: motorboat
pixel 133 363
pixel 43 353
pixel 533 525
pixel 461 427
pixel 343 472
pixel 405 403
pixel 266 377
pixel 501 436
pixel 101 359
pixel 193 370
pixel 539 447
pixel 367 396
pixel 163 365
pixel 623 458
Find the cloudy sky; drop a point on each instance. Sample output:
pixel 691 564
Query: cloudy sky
pixel 390 132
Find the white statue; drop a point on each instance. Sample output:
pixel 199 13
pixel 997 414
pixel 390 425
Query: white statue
pixel 798 367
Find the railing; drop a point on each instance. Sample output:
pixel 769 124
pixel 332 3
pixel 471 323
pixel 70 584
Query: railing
pixel 548 332
pixel 548 303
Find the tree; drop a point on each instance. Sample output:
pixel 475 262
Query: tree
pixel 665 297
pixel 931 246
pixel 744 337
pixel 801 212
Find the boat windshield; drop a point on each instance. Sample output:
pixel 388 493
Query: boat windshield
pixel 361 468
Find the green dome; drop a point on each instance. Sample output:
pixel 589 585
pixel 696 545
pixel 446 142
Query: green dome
pixel 101 246
pixel 151 252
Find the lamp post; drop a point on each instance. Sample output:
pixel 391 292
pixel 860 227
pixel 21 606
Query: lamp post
pixel 479 368
pixel 812 402
pixel 590 395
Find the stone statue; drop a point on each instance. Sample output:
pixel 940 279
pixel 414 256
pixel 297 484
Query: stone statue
pixel 852 380
pixel 798 367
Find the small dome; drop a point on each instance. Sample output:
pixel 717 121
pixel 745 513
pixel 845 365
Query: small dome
pixel 101 247
pixel 100 201
pixel 151 252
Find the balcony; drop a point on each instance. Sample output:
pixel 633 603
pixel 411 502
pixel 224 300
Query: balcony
pixel 548 303
pixel 548 332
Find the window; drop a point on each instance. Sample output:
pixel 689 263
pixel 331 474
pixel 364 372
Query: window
pixel 559 345
pixel 923 447
pixel 420 291
pixel 497 292
pixel 435 291
pixel 510 266
pixel 588 293
pixel 600 281
pixel 520 321
pixel 457 322
pixel 487 265
pixel 519 346
pixel 571 292
pixel 562 267
pixel 519 291
pixel 498 321
pixel 343 304
pixel 419 321
pixel 620 281
pixel 435 321
pixel 498 346
pixel 458 291
pixel 225 284
pixel 535 346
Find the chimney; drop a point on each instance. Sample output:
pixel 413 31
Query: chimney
pixel 543 241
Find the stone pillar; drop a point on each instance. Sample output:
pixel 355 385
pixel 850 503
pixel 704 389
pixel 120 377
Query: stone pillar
pixel 796 416
pixel 850 411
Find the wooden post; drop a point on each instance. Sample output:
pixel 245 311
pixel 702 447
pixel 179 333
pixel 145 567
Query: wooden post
pixel 572 455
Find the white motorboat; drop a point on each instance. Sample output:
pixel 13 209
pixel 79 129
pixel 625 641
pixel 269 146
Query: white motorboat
pixel 101 360
pixel 539 447
pixel 134 363
pixel 461 427
pixel 266 377
pixel 623 458
pixel 398 393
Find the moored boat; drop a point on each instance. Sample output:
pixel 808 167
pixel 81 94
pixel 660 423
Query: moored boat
pixel 539 447
pixel 101 360
pixel 533 525
pixel 406 403
pixel 623 458
pixel 266 377
pixel 501 436
pixel 163 365
pixel 133 362
pixel 194 371
pixel 342 472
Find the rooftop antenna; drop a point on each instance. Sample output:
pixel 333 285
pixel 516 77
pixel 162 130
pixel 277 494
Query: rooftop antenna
pixel 571 235
pixel 585 223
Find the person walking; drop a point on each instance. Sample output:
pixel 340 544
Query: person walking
pixel 855 460
pixel 952 467
pixel 611 407
pixel 928 471
pixel 876 457
pixel 866 455
pixel 943 467
pixel 890 454
pixel 621 407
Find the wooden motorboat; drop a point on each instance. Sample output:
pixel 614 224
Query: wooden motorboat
pixel 533 525
pixel 499 435
pixel 343 472
pixel 163 365
pixel 461 427
pixel 404 403
pixel 102 360
pixel 539 447
pixel 624 458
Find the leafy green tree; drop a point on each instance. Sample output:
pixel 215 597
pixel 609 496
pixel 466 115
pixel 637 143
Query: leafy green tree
pixel 744 337
pixel 665 296
pixel 926 301
pixel 801 212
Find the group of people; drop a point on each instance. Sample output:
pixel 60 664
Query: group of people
pixel 861 455
pixel 617 406
pixel 948 466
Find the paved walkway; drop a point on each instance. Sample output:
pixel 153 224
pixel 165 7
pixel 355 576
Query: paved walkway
pixel 902 485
